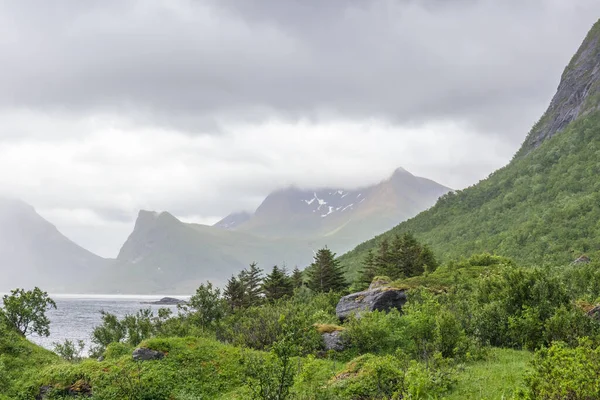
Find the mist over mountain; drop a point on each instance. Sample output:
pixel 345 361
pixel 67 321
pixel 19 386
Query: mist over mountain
pixel 35 253
pixel 164 253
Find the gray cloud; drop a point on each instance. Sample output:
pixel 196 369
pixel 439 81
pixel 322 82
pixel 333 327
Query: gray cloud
pixel 98 99
pixel 192 64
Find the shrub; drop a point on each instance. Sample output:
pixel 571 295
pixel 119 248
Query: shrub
pixel 560 372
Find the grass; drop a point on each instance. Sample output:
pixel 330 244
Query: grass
pixel 327 328
pixel 493 379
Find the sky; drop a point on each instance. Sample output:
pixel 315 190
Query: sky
pixel 201 108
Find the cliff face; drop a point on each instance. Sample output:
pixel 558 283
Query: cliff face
pixel 577 93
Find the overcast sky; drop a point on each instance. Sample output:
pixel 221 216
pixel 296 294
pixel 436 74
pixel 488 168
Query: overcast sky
pixel 204 107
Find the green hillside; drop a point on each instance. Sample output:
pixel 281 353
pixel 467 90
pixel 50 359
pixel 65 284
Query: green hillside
pixel 544 206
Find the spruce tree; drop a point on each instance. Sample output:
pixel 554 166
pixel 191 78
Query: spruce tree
pixel 297 279
pixel 234 293
pixel 369 270
pixel 252 281
pixel 277 284
pixel 325 274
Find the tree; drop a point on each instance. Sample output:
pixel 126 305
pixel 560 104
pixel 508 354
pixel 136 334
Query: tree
pixel 325 274
pixel 206 306
pixel 252 281
pixel 297 279
pixel 277 284
pixel 370 269
pixel 403 257
pixel 234 293
pixel 26 311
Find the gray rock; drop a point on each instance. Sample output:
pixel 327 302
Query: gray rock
pixel 382 299
pixel 101 358
pixel 582 260
pixel 578 84
pixel 333 341
pixel 144 354
pixel 594 312
pixel 44 392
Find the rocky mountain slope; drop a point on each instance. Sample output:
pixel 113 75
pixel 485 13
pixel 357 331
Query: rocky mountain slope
pixel 544 206
pixel 294 212
pixel 168 255
pixel 34 252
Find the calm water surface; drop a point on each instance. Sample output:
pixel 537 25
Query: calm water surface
pixel 77 315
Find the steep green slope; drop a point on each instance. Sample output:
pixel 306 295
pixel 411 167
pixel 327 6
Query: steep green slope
pixel 20 362
pixel 545 205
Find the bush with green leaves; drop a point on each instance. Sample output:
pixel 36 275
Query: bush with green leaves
pixel 132 329
pixel 260 327
pixel 69 350
pixel 393 377
pixel 563 372
pixel 374 332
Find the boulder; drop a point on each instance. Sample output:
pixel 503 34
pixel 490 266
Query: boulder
pixel 333 341
pixel 582 260
pixel 382 299
pixel 594 312
pixel 144 354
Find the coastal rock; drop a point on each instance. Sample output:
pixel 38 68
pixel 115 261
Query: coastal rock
pixel 166 301
pixel 144 354
pixel 333 341
pixel 382 299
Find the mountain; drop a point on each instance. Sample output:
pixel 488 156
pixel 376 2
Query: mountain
pixel 164 254
pixel 34 252
pixel 233 220
pixel 363 212
pixel 544 206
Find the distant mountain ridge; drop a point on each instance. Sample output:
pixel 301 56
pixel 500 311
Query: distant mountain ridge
pixel 295 212
pixel 35 253
pixel 164 253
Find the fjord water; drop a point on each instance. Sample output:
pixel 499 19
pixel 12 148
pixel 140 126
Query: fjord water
pixel 76 315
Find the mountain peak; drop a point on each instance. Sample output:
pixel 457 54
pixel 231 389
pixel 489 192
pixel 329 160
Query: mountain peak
pixel 576 95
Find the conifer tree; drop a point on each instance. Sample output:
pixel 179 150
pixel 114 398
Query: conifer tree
pixel 325 274
pixel 234 293
pixel 297 279
pixel 252 281
pixel 277 284
pixel 369 270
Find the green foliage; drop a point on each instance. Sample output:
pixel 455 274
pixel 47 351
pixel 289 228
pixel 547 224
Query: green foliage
pixel 393 377
pixel 562 372
pixel 251 279
pixel 132 329
pixel 297 278
pixel 271 377
pixel 403 257
pixel 260 327
pixel 376 332
pixel 70 351
pixel 497 377
pixel 277 285
pixel 206 307
pixel 540 209
pixel 26 311
pixel 325 273
pixel 20 363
